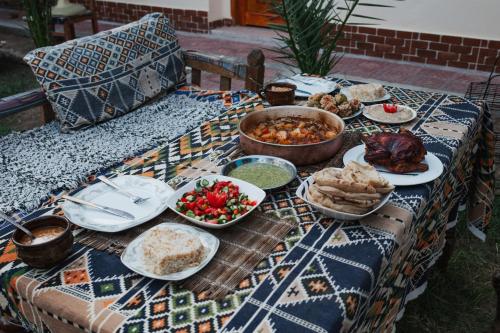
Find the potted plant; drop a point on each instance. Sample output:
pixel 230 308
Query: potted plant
pixel 311 30
pixel 38 18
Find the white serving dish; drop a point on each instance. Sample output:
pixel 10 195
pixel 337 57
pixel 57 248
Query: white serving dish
pixel 253 192
pixel 367 114
pixel 103 194
pixel 302 193
pixel 346 91
pixel 415 178
pixel 133 256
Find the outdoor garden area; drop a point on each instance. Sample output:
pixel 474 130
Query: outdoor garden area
pixel 249 166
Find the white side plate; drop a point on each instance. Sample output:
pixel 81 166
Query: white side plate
pixel 302 193
pixel 133 256
pixel 354 115
pixel 435 168
pixel 345 91
pixel 100 193
pixel 371 116
pixel 253 192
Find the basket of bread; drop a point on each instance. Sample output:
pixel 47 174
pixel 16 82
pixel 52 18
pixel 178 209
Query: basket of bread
pixel 351 193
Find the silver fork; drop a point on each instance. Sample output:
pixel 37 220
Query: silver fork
pixel 135 198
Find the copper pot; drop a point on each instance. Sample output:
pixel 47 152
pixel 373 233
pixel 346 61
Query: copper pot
pixel 297 154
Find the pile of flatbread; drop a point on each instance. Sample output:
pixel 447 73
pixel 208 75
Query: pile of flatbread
pixel 355 189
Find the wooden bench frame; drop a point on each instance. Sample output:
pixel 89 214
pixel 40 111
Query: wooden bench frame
pixel 252 72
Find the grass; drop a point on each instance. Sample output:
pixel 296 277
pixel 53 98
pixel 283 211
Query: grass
pixel 462 299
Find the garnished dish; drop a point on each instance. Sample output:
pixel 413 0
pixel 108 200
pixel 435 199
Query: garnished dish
pixel 215 202
pixel 367 93
pixel 292 131
pixel 168 251
pixel 338 104
pixel 42 235
pixel 266 172
pixel 390 113
pixel 401 152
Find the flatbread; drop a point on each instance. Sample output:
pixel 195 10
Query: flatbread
pixel 334 177
pixel 356 202
pixel 316 196
pixel 356 189
pixel 364 173
pixel 335 192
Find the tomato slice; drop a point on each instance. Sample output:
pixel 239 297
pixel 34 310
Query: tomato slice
pixel 390 108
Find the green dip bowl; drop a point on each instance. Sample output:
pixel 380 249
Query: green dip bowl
pixel 262 159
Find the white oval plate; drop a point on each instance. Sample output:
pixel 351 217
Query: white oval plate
pixel 435 168
pixel 367 114
pixel 253 192
pixel 345 91
pixel 302 193
pixel 133 256
pixel 100 193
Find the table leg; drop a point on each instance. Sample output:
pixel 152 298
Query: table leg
pixel 451 239
pixel 69 30
pixel 95 27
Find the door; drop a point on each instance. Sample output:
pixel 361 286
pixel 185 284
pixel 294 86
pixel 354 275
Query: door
pixel 254 12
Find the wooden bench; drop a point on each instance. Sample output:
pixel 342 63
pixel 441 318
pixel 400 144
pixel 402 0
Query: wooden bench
pixel 252 72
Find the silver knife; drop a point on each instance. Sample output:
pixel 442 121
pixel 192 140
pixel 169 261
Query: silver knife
pixel 109 210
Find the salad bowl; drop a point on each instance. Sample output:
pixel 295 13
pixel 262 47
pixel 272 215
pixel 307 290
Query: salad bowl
pixel 254 194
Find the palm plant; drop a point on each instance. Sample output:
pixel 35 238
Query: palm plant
pixel 38 17
pixel 311 30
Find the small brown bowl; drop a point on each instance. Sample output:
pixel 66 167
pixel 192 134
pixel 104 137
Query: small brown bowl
pixel 275 98
pixel 47 254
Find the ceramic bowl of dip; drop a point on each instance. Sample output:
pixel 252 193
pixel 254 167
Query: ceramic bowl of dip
pixel 53 242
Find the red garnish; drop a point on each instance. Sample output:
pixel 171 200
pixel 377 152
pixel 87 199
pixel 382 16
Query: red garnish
pixel 217 199
pixel 390 108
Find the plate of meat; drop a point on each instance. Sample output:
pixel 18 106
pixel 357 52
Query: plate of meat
pixel 400 157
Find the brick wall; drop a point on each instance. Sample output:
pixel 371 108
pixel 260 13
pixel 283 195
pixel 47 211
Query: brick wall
pixel 186 20
pixel 469 53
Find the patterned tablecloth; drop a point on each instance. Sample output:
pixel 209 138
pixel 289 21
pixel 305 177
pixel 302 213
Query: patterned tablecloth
pixel 326 276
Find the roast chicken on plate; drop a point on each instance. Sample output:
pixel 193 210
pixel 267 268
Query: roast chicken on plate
pixel 401 152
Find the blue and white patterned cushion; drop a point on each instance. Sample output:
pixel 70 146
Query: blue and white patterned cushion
pixel 96 78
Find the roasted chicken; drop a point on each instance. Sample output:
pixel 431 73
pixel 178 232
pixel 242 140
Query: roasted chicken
pixel 399 152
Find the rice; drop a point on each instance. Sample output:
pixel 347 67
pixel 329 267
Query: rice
pixel 367 92
pixel 168 251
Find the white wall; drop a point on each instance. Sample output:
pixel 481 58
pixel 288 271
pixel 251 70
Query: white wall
pixel 219 9
pixel 466 18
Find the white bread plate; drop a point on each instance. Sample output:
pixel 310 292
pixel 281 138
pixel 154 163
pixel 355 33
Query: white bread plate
pixel 303 189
